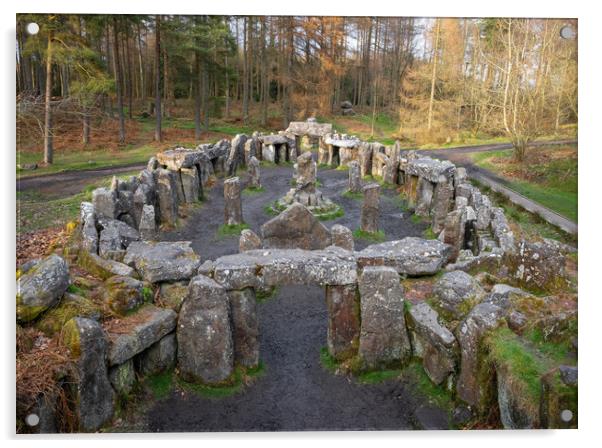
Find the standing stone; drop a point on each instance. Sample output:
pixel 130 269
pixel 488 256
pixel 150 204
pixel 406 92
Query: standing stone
pixel 144 195
pixel 204 335
pixel 460 176
pixel 355 179
pixel 295 227
pixel 245 327
pixel 322 152
pixel 191 184
pixel 471 386
pixel 365 158
pixel 343 321
pixel 123 377
pixel 88 227
pixel 282 152
pixel 147 225
pixel 370 208
pixel 237 153
pixel 232 202
pixel 268 153
pixel 105 202
pixel 167 198
pixel 254 173
pixel 250 149
pixel 248 240
pixel 342 237
pixel 453 232
pixel 384 340
pixel 441 204
pixel 484 214
pixel 306 171
pixel 391 168
pixel 424 197
pixel 87 343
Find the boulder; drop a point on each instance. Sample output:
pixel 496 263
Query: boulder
pixel 137 332
pixel 471 387
pixel 105 202
pixel 538 265
pixel 172 294
pixel 437 345
pixel 245 327
pixel 159 357
pixel 162 261
pixel 295 227
pixel 177 158
pixel 248 240
pixel 123 377
pixel 41 287
pixel 410 256
pixel 232 202
pixel 123 294
pixel 456 293
pixel 204 335
pixel 115 237
pixel 432 170
pixel 102 267
pixel 342 303
pixel 384 340
pixel 370 212
pixel 94 395
pixel 342 237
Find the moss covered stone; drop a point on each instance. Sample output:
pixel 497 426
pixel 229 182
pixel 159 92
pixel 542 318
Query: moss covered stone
pixel 72 305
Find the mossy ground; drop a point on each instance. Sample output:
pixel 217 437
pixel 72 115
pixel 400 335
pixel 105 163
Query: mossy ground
pixel 370 236
pixel 252 191
pixel 352 195
pixel 228 230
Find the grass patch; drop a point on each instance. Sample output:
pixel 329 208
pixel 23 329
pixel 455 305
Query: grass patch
pixel 226 230
pixel 429 234
pixel 262 295
pixel 240 377
pixel 331 215
pixel 557 351
pixel 415 373
pixel 328 362
pixel 351 195
pixel 74 289
pixel 160 384
pixel 342 168
pixel 378 376
pixel 370 236
pixel 251 191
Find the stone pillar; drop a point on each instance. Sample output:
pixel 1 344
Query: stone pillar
pixel 365 158
pixel 384 340
pixel 454 231
pixel 245 328
pixel 410 190
pixel 442 200
pixel 147 225
pixel 88 345
pixel 269 153
pixel 323 153
pixel 167 198
pixel 282 152
pixel 232 201
pixel 343 321
pixel 306 171
pixel 370 208
pixel 254 173
pixel 424 197
pixel 191 184
pixel 250 149
pixel 355 180
pixel 204 333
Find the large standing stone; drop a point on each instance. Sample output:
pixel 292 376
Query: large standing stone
pixel 391 168
pixel 232 202
pixel 370 208
pixel 159 357
pixel 245 327
pixel 148 224
pixel 342 237
pixel 441 204
pixel 191 184
pixel 343 321
pixel 237 154
pixel 295 227
pixel 433 342
pixel 424 197
pixel 41 287
pixel 306 170
pixel 205 347
pixel 87 343
pixel 365 158
pixel 453 231
pixel 470 386
pixel 167 198
pixel 88 227
pixel 162 261
pixel 355 179
pixel 254 173
pixel 105 202
pixel 457 292
pixel 384 339
pixel 102 267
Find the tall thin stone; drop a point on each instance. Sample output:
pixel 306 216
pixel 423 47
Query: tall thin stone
pixel 355 180
pixel 370 208
pixel 232 202
pixel 254 172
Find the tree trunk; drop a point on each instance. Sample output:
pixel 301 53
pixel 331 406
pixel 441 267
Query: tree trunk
pixel 48 149
pixel 197 95
pixel 245 72
pixel 434 76
pixel 117 64
pixel 158 135
pixel 86 122
pixel 142 86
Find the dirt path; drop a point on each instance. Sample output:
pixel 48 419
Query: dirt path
pixel 295 392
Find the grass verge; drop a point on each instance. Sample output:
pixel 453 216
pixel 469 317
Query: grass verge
pixel 370 236
pixel 227 230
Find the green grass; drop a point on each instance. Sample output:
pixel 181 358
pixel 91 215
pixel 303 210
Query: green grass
pixel 342 168
pixel 232 387
pixel 378 376
pixel 328 362
pixel 227 230
pixel 160 384
pixel 352 195
pixel 263 296
pixel 439 394
pixel 332 215
pixel 252 191
pixel 362 235
pixel 557 351
pixel 74 289
pixel 429 234
pixel 556 186
pixel 417 219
